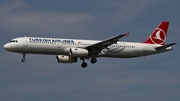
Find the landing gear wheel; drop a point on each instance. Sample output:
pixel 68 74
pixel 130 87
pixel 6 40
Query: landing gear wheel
pixel 23 60
pixel 84 65
pixel 93 60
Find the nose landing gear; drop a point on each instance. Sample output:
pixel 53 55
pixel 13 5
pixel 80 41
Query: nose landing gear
pixel 23 59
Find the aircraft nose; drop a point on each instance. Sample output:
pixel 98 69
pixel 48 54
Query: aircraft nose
pixel 7 46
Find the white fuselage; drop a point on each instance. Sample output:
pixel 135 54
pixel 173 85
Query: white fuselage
pixel 57 46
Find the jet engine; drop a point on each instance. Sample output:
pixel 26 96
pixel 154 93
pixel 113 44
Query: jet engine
pixel 77 52
pixel 65 59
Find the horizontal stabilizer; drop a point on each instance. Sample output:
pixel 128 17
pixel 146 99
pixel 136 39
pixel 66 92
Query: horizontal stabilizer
pixel 165 46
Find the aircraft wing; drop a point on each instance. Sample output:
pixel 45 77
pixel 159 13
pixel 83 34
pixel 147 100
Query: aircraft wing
pixel 97 47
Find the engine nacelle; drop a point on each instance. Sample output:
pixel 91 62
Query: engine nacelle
pixel 77 52
pixel 65 59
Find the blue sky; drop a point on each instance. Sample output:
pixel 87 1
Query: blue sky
pixel 40 78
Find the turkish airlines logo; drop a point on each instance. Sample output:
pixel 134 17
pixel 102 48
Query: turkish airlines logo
pixel 158 37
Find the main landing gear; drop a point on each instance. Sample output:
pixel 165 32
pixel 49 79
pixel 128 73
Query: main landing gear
pixel 93 60
pixel 84 64
pixel 23 59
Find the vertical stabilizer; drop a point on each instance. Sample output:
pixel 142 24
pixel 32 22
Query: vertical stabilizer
pixel 159 34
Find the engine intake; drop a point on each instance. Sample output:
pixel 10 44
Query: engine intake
pixel 65 59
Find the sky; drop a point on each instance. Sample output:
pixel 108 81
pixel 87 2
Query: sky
pixel 40 78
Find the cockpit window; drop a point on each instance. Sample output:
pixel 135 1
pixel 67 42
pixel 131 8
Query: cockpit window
pixel 13 41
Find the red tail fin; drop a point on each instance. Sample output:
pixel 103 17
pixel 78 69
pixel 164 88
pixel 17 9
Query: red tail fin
pixel 159 34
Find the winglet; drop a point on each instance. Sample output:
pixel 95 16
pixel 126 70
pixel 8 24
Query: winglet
pixel 127 34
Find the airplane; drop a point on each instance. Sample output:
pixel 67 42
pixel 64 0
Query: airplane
pixel 70 50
